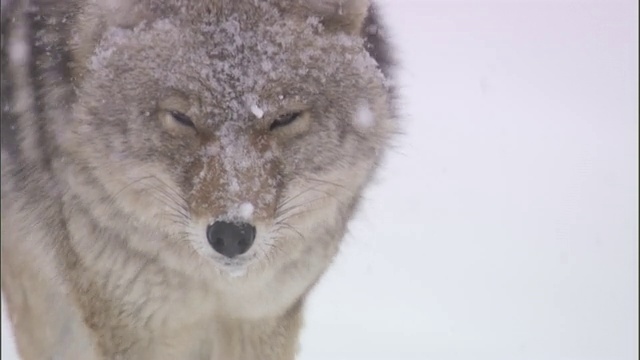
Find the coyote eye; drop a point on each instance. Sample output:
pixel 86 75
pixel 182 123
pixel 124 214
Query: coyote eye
pixel 182 118
pixel 284 120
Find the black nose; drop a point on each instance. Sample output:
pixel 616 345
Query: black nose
pixel 230 239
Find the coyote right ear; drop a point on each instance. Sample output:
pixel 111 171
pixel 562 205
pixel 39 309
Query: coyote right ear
pixel 94 19
pixel 338 15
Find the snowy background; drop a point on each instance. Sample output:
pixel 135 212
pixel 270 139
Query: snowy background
pixel 505 223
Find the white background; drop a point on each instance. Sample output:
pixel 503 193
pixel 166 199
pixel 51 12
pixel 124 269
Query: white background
pixel 504 224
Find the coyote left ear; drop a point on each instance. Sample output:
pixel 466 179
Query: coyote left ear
pixel 339 15
pixel 94 18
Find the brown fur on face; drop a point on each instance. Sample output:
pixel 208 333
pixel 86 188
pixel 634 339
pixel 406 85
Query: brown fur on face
pixel 140 123
pixel 265 180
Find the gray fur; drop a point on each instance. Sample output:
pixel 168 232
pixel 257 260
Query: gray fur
pixel 105 199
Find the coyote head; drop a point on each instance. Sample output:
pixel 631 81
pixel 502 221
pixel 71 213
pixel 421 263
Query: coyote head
pixel 243 130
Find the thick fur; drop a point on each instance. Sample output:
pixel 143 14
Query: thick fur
pixel 106 196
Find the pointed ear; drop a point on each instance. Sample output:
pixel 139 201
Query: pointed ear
pixel 94 19
pixel 339 15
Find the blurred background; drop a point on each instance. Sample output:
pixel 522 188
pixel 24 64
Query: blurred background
pixel 504 224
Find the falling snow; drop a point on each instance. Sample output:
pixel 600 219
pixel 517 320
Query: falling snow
pixel 364 118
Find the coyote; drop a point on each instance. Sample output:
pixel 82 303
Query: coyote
pixel 177 175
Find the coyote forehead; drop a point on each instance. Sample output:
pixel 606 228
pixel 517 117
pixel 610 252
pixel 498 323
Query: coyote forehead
pixel 234 67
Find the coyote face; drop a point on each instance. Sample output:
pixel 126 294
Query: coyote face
pixel 244 132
